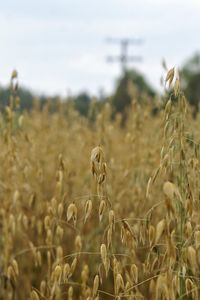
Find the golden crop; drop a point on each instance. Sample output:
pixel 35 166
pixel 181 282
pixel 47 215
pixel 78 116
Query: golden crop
pixel 97 211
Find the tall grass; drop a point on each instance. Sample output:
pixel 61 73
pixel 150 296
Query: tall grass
pixel 100 211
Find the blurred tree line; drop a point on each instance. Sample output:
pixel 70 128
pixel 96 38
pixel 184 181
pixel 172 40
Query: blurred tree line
pixel 130 85
pixel 190 78
pixel 27 98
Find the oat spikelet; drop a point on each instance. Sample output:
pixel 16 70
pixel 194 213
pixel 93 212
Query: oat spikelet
pixel 73 265
pixel 197 239
pixel 119 283
pixel 15 267
pixel 96 154
pixel 151 234
pixel 60 210
pixel 59 232
pixel 103 252
pixel 104 257
pixel 95 285
pixel 177 87
pixel 34 295
pixel 78 243
pixel 14 74
pixel 102 207
pixel 171 191
pixel 72 212
pixel 159 230
pixel 57 273
pixel 188 229
pixel 170 76
pixel 109 236
pixel 134 273
pixel 188 286
pixel 47 222
pixel 161 288
pixel 66 272
pixel 43 287
pixel 148 188
pixel 112 219
pixel 11 273
pixel 88 209
pixel 192 258
pixel 70 293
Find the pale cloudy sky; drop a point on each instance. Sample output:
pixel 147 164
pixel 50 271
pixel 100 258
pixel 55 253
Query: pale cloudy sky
pixel 58 45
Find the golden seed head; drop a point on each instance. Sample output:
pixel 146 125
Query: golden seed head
pixel 43 286
pixel 119 283
pixel 159 230
pixel 170 190
pixel 66 272
pixel 72 212
pixel 97 154
pixel 14 74
pixel 70 292
pixel 88 209
pixel 95 285
pixel 102 207
pixel 78 243
pixel 57 272
pixel 34 296
pixel 192 259
pixel 73 265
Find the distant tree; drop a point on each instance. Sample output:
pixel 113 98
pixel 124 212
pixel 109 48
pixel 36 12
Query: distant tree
pixel 190 75
pixel 26 98
pixel 131 84
pixel 82 103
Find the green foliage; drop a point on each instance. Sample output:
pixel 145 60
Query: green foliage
pixel 131 84
pixel 82 104
pixel 26 98
pixel 190 75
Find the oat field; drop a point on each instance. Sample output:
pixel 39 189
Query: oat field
pixel 93 210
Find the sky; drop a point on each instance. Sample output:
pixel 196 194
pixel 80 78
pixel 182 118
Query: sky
pixel 59 47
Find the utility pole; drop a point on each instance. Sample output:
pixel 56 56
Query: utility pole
pixel 124 58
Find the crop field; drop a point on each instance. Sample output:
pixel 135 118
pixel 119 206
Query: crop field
pixel 92 210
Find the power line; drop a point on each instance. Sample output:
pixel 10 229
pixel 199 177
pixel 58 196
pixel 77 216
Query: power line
pixel 124 58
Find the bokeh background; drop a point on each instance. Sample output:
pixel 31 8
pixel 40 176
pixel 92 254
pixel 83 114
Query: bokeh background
pixel 59 47
pixel 85 50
